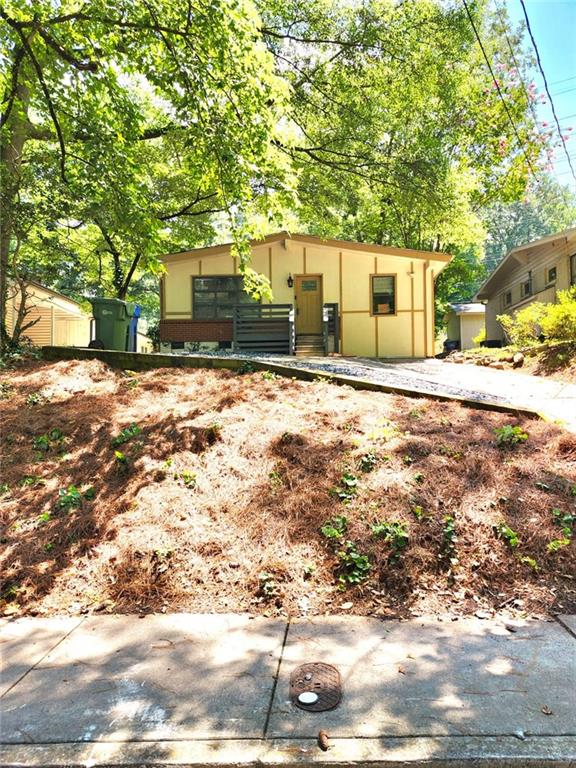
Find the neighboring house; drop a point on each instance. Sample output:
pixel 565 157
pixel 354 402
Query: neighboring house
pixel 329 295
pixel 58 320
pixel 531 272
pixel 463 323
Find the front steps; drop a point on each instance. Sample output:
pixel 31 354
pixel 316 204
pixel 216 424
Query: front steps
pixel 309 345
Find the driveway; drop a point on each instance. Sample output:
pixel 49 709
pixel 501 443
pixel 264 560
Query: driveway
pixel 556 400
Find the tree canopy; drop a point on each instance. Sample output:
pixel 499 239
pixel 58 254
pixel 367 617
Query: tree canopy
pixel 134 128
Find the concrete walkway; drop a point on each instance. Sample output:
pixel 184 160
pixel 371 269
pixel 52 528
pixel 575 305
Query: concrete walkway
pixel 213 691
pixel 556 400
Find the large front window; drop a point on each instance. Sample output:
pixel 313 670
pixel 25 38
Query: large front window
pixel 573 269
pixel 214 297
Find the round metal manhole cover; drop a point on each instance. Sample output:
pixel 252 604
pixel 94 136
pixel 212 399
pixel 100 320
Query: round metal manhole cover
pixel 318 678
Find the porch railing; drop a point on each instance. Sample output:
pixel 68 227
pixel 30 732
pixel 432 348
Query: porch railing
pixel 263 328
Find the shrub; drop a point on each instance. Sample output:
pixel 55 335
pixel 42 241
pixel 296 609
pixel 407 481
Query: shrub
pixel 525 326
pixel 559 320
pixel 556 322
pixel 480 338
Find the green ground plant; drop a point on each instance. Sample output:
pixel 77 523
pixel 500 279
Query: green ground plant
pixel 503 531
pixel 126 434
pixel 509 436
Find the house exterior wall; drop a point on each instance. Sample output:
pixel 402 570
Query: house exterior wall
pixel 346 276
pixel 60 321
pixel 537 262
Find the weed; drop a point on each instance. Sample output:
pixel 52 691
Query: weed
pixel 508 436
pixel 368 462
pixel 168 463
pixel 504 532
pixel 354 568
pixel 52 440
pixel 49 546
pixel 275 479
pixel 45 517
pixel 188 478
pixel 214 433
pixel 35 398
pixel 415 414
pixel 121 459
pixel 449 540
pixel 246 367
pixel 11 592
pixel 335 528
pixel 268 587
pixel 69 498
pixel 309 570
pixel 395 534
pixel 348 488
pixel 89 493
pixel 418 512
pixel 418 477
pixel 542 486
pixel 407 460
pixel 556 544
pixel 32 481
pixel 126 434
pixel 4 489
pixel 6 391
pixel 525 560
pixel 573 490
pixel 565 520
pixel 269 376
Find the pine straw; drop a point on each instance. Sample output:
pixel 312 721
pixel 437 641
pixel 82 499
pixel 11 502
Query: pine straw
pixel 267 455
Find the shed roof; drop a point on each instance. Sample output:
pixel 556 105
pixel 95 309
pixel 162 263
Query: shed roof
pixel 313 240
pixel 468 308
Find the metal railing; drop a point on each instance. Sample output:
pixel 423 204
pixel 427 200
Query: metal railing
pixel 263 328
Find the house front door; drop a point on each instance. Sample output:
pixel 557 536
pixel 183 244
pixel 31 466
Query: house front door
pixel 308 301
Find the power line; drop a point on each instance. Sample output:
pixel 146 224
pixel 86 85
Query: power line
pixel 568 90
pixel 565 80
pixel 547 88
pixel 495 81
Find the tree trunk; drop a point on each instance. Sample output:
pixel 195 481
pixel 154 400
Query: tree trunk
pixel 13 138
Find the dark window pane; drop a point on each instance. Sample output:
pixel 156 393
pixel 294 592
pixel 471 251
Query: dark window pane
pixel 383 295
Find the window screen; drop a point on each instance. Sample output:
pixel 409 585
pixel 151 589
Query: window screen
pixel 383 294
pixel 214 297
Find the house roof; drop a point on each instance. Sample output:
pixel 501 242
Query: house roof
pixel 52 292
pixel 519 255
pixel 470 308
pixel 312 239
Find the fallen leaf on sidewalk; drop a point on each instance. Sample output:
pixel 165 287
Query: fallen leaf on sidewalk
pixel 401 670
pixel 546 710
pixel 323 741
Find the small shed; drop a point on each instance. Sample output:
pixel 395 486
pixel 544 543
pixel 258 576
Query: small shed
pixel 464 321
pixel 58 320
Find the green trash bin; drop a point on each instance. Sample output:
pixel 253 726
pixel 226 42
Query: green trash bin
pixel 112 318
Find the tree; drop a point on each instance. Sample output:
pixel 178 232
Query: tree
pixel 98 97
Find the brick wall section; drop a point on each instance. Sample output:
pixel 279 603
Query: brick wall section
pixel 196 330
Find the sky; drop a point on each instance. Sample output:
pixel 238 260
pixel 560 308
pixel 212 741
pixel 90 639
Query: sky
pixel 553 25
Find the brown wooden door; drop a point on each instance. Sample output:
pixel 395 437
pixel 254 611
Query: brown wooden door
pixel 308 300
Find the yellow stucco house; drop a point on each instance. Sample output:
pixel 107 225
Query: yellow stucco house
pixel 329 296
pixel 531 272
pixel 58 320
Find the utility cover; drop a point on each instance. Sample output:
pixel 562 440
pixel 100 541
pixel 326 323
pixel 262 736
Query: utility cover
pixel 321 679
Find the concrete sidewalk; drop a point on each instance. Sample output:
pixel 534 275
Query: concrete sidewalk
pixel 213 690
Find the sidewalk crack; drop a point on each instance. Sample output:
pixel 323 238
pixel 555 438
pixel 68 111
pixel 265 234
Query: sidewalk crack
pixel 273 694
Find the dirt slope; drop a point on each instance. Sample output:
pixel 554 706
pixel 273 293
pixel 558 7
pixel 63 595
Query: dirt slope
pixel 215 500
